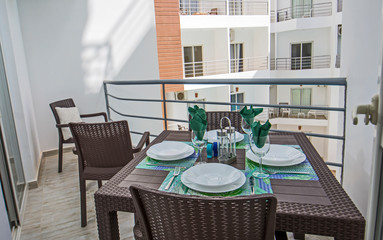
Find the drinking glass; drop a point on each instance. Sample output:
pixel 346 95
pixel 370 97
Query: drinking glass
pixel 199 144
pixel 246 127
pixel 260 152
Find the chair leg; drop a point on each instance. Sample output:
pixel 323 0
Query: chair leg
pixel 99 183
pixel 280 235
pixel 83 202
pixel 60 157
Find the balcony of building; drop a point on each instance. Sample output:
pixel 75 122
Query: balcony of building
pixel 229 7
pixel 301 17
pixel 227 66
pixel 304 11
pixel 109 54
pixel 220 14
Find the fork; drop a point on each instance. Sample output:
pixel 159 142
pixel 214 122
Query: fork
pixel 292 172
pixel 176 172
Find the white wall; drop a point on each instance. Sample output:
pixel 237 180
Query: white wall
pixel 19 87
pixel 321 39
pixel 72 46
pixel 361 49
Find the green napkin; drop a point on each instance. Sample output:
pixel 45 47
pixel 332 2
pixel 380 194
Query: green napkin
pixel 260 133
pixel 198 122
pixel 249 114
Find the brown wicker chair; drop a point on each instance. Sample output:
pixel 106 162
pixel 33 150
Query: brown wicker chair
pixel 163 215
pixel 214 118
pixel 103 149
pixel 66 103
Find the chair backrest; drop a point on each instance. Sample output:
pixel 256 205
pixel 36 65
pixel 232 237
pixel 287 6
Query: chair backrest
pixel 66 103
pixel 163 215
pixel 214 118
pixel 103 144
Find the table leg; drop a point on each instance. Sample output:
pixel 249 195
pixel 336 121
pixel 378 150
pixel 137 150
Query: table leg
pixel 107 222
pixel 300 236
pixel 280 235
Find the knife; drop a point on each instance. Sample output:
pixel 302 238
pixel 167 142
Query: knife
pixel 251 181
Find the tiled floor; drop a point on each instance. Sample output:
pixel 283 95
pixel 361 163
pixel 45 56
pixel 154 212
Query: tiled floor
pixel 53 209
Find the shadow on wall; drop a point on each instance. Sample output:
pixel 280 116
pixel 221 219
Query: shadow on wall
pixel 72 46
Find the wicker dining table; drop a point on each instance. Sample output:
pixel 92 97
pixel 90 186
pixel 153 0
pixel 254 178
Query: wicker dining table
pixel 304 206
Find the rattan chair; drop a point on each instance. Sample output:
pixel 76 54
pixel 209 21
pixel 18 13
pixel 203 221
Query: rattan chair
pixel 214 118
pixel 164 216
pixel 103 149
pixel 67 103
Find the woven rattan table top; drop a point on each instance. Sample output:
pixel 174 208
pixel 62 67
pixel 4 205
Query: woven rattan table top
pixel 313 207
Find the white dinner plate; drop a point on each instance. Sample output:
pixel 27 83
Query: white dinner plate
pixel 212 136
pixel 170 150
pixel 193 176
pixel 279 156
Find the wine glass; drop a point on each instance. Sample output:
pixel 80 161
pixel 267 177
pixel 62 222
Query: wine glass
pixel 260 147
pixel 199 141
pixel 246 127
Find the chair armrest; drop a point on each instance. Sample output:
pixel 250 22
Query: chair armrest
pixel 144 140
pixel 95 115
pixel 62 125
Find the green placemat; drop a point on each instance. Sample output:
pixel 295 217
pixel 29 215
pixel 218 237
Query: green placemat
pixel 302 167
pixel 261 186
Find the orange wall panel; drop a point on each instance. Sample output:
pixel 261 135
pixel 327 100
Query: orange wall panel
pixel 169 41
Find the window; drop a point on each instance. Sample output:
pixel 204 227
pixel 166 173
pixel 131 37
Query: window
pixel 236 57
pixel 301 8
pixel 236 98
pixel 193 61
pixel 300 97
pixel 301 56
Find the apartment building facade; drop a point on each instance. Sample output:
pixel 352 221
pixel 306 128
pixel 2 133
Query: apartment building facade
pixel 276 38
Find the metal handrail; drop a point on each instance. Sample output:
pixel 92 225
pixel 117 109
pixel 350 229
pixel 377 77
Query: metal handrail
pixel 304 11
pixel 298 63
pixel 336 81
pixel 206 7
pixel 222 66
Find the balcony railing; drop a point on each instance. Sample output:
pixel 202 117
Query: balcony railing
pixel 300 63
pixel 116 104
pixel 206 7
pixel 205 68
pixel 304 11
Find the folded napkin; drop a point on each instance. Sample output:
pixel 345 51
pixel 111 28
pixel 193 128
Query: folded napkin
pixel 198 122
pixel 249 114
pixel 260 133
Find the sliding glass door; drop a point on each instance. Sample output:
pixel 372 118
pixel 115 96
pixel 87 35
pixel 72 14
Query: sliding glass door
pixel 301 8
pixel 236 57
pixel 11 169
pixel 300 97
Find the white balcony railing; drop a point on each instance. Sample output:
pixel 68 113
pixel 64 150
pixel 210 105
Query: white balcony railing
pixel 205 68
pixel 230 7
pixel 304 11
pixel 300 63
